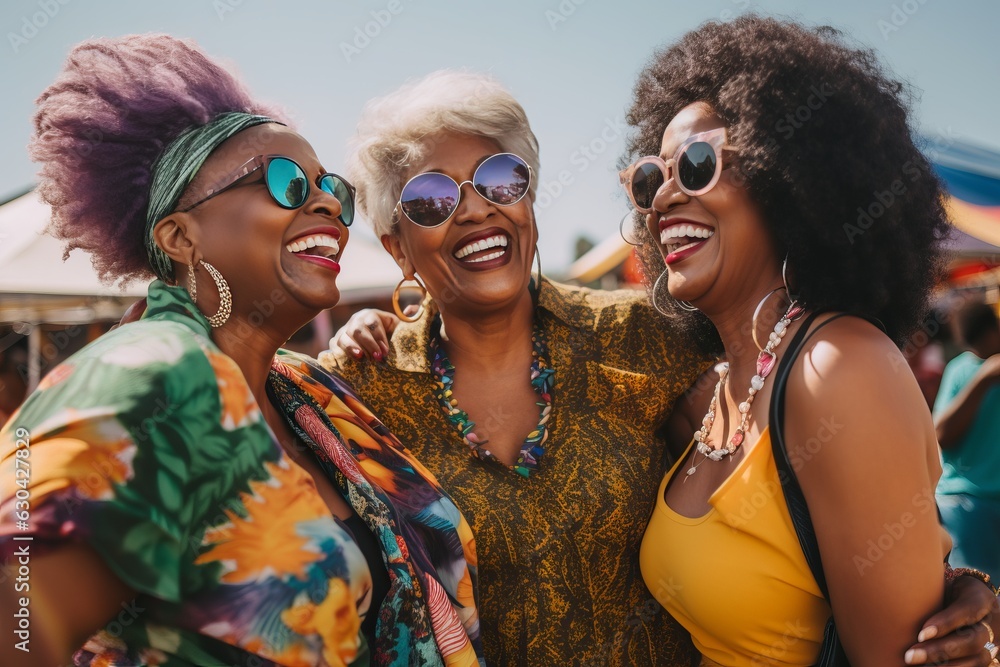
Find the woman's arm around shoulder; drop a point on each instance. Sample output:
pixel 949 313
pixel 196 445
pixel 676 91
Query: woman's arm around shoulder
pixel 861 441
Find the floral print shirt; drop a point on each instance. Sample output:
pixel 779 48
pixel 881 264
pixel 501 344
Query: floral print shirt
pixel 149 447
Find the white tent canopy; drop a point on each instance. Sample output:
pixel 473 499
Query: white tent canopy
pixel 37 286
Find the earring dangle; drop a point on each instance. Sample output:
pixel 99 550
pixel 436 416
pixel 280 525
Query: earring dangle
pixel 538 261
pixel 756 314
pixel 192 284
pixel 399 309
pixel 784 278
pixel 684 305
pixel 225 295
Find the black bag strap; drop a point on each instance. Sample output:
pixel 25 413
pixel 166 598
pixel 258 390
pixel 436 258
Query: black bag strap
pixel 831 652
pixel 796 501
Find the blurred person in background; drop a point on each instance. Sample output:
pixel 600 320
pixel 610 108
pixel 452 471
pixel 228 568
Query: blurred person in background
pixel 967 417
pixel 13 371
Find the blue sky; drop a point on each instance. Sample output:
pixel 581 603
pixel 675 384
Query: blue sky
pixel 571 63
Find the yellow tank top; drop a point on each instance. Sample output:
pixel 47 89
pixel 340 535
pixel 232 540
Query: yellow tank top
pixel 736 577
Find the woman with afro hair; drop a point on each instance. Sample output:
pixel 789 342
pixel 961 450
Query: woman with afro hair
pixel 185 492
pixel 799 226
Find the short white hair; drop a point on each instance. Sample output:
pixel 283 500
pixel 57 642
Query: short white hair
pixel 398 130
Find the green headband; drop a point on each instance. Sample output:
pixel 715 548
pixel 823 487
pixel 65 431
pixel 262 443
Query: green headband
pixel 177 166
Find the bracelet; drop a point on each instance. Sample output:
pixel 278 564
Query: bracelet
pixel 954 573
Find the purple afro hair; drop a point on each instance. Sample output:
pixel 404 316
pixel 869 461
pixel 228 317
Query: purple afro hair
pixel 100 127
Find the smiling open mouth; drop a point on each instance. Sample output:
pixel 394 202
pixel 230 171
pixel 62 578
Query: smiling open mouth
pixel 483 250
pixel 676 238
pixel 318 245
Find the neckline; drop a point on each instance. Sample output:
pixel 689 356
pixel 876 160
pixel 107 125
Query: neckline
pixel 661 501
pixel 541 372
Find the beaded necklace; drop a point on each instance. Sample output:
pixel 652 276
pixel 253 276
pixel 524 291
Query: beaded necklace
pixel 765 363
pixel 541 381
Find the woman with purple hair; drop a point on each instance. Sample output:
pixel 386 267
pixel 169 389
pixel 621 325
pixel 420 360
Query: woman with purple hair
pixel 185 492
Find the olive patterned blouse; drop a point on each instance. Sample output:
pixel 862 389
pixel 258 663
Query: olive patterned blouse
pixel 558 551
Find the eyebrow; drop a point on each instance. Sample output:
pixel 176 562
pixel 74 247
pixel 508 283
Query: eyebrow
pixel 474 167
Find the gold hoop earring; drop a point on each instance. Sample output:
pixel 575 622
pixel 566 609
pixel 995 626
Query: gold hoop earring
pixel 395 300
pixel 225 296
pixel 192 284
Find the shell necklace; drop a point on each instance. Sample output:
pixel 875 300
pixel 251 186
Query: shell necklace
pixel 765 364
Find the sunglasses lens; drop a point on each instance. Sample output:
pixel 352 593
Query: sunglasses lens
pixel 502 179
pixel 696 166
pixel 429 199
pixel 337 187
pixel 287 182
pixel 646 181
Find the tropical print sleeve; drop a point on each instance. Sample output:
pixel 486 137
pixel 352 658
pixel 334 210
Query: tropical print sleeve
pixel 105 465
pixel 149 447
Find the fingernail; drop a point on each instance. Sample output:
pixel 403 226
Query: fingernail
pixel 930 632
pixel 377 355
pixel 357 353
pixel 915 656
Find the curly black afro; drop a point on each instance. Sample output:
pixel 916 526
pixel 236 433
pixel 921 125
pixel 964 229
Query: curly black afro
pixel 825 149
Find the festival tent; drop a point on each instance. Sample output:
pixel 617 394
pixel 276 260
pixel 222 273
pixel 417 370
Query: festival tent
pixel 37 286
pixel 971 175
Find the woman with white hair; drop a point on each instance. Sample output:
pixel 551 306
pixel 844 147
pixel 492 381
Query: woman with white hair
pixel 558 476
pixel 563 470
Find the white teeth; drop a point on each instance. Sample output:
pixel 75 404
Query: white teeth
pixel 486 258
pixel 319 240
pixel 684 231
pixel 483 244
